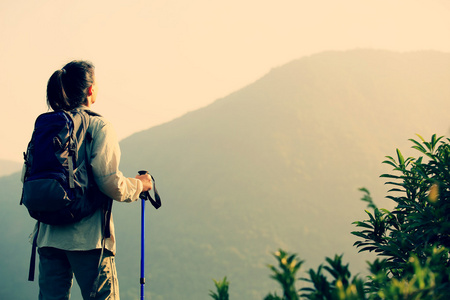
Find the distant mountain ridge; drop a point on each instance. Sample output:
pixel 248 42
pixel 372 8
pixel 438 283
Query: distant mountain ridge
pixel 276 164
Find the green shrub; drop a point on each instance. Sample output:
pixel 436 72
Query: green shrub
pixel 412 241
pixel 288 265
pixel 222 290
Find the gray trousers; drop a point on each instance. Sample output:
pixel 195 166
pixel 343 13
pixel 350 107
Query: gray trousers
pixel 57 267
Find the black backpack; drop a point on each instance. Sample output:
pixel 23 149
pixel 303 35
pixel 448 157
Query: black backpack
pixel 58 183
pixel 59 187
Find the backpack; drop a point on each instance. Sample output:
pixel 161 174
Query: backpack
pixel 58 185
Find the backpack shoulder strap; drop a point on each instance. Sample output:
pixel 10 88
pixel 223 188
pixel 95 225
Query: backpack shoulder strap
pixel 107 208
pixel 91 113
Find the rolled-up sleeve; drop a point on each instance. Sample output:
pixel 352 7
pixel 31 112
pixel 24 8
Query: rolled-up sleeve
pixel 105 159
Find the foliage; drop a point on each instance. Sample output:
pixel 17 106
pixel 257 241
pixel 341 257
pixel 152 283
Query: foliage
pixel 222 289
pixel 412 241
pixel 340 287
pixel 288 265
pixel 415 236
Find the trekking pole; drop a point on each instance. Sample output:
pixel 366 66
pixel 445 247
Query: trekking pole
pixel 142 279
pixel 157 204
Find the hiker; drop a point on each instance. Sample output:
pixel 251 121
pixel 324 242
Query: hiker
pixel 77 248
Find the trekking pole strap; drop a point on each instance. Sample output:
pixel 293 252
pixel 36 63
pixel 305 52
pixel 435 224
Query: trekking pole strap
pixel 157 201
pixel 146 195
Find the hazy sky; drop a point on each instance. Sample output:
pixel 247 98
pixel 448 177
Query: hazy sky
pixel 156 60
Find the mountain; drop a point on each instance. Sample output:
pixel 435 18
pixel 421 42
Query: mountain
pixel 276 164
pixel 8 167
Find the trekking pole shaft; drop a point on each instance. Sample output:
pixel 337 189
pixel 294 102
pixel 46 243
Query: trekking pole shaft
pixel 142 279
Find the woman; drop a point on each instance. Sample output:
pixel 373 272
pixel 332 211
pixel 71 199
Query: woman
pixel 75 249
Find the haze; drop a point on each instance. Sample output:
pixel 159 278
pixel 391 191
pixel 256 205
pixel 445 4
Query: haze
pixel 157 60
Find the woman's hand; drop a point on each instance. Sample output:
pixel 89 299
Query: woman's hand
pixel 146 180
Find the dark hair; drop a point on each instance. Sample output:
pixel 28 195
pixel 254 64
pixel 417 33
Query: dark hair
pixel 67 88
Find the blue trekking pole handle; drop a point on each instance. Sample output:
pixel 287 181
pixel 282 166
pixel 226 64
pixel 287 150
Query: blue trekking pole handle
pixel 142 278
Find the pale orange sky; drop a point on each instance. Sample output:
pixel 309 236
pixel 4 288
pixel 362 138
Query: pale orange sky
pixel 156 60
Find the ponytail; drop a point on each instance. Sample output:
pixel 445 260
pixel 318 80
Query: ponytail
pixel 68 88
pixel 56 96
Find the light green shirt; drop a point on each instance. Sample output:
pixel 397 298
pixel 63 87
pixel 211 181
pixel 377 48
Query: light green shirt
pixel 104 155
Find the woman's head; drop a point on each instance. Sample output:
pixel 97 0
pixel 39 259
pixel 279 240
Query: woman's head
pixel 68 88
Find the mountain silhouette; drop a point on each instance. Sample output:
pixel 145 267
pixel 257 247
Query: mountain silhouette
pixel 277 164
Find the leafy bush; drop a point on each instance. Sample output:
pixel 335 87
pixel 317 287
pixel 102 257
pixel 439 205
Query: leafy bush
pixel 340 287
pixel 288 266
pixel 222 290
pixel 414 237
pixel 412 241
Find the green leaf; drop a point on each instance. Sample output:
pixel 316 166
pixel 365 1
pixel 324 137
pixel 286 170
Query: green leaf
pixel 389 176
pixel 390 163
pixel 357 233
pixel 401 160
pixel 421 138
pixel 362 224
pixel 418 146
